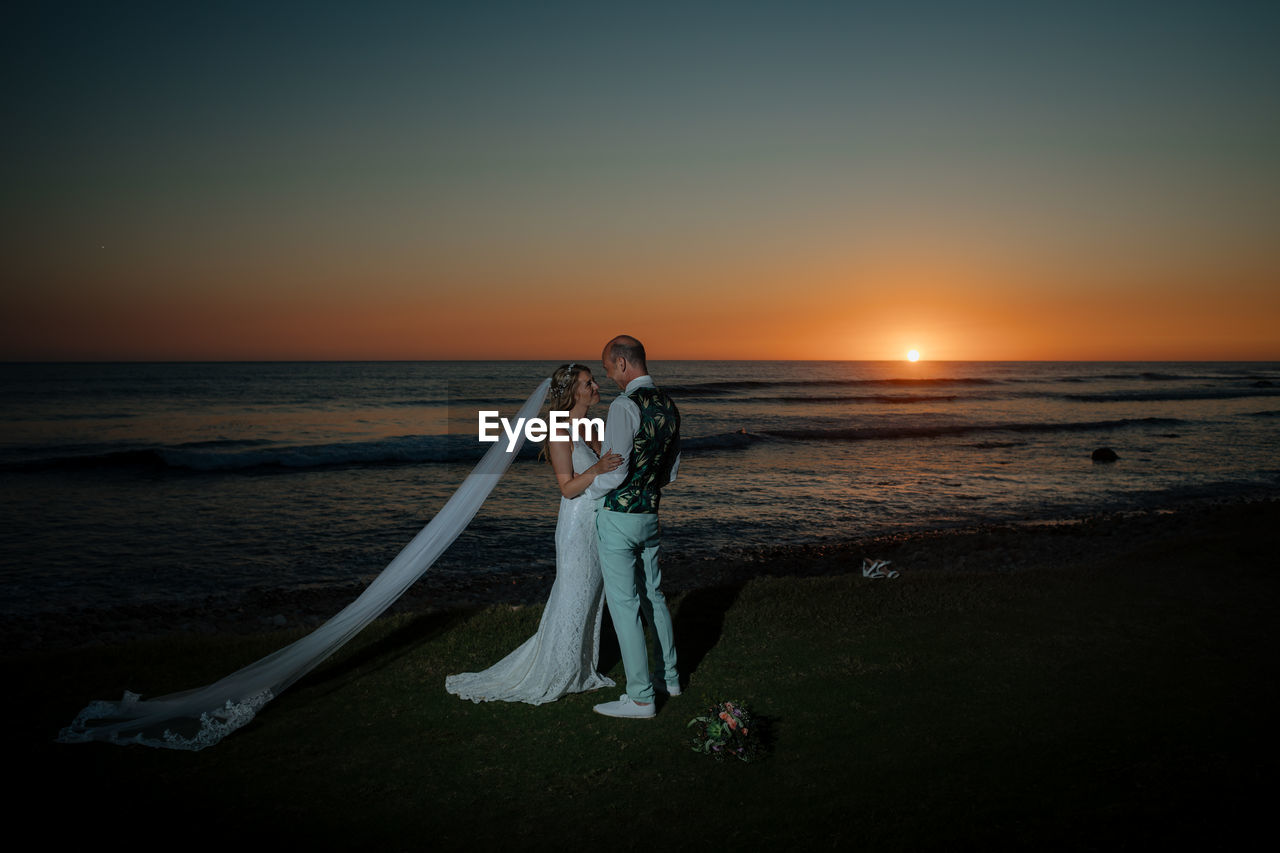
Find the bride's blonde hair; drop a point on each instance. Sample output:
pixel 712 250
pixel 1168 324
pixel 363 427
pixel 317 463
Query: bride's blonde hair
pixel 564 387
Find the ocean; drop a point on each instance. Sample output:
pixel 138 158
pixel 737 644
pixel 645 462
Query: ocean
pixel 137 483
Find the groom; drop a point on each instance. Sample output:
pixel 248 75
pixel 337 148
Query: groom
pixel 644 427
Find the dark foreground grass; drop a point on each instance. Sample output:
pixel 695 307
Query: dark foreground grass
pixel 1111 704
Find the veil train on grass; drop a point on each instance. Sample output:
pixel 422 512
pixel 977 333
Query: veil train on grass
pixel 199 718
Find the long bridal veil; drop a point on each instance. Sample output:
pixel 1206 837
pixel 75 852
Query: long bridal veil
pixel 195 719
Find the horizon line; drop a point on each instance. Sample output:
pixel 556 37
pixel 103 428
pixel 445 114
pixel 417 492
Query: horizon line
pixel 14 362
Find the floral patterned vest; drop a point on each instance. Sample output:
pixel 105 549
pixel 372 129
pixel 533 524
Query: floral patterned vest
pixel 655 447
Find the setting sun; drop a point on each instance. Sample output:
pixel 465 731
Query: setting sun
pixel 913 355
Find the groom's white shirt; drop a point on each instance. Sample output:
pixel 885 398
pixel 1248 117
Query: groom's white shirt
pixel 620 429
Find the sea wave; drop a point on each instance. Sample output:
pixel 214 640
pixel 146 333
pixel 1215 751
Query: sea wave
pixel 721 441
pixel 263 456
pixel 1149 375
pixel 716 388
pixel 232 456
pixel 887 399
pixel 22 417
pixel 944 430
pixel 405 450
pixel 260 457
pixel 1172 396
pixel 479 402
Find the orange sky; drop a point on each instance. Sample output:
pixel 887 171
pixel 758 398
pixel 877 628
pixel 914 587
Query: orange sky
pixel 805 181
pixel 948 309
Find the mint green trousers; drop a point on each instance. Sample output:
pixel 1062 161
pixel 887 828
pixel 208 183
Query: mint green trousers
pixel 629 544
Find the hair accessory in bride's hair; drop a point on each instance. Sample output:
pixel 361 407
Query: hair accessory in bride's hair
pixel 570 371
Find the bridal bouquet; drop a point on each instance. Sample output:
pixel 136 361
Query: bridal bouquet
pixel 726 730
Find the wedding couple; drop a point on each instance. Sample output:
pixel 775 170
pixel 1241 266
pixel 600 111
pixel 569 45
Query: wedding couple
pixel 607 542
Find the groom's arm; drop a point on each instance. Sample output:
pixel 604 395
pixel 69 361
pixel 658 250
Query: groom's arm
pixel 619 436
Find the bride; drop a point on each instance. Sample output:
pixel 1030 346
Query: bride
pixel 562 656
pixel 564 650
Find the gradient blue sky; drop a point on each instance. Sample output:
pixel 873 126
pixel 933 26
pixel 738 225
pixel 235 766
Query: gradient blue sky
pixel 725 180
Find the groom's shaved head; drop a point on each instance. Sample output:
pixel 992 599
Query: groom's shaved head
pixel 623 359
pixel 625 346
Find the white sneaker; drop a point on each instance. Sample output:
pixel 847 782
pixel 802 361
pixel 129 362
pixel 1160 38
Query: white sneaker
pixel 671 688
pixel 624 707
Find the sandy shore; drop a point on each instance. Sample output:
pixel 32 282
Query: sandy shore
pixel 992 548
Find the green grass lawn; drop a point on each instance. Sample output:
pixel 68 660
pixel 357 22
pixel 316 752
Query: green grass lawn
pixel 1109 704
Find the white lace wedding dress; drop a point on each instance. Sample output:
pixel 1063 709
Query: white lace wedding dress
pixel 561 658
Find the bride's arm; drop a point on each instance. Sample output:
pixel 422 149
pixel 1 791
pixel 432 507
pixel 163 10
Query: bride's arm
pixel 572 485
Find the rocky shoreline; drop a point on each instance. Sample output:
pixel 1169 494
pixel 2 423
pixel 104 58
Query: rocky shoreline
pixel 989 548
